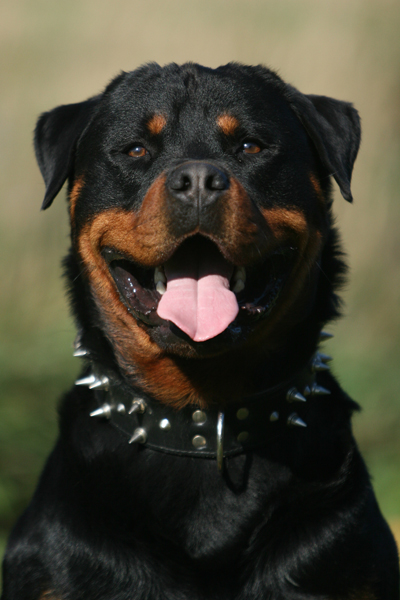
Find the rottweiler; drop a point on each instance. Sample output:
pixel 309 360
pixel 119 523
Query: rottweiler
pixel 206 450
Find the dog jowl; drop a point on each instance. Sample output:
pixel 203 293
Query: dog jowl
pixel 206 450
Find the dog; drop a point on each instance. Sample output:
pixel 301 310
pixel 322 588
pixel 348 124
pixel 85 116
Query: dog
pixel 206 450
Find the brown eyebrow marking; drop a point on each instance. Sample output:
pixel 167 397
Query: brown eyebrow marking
pixel 74 195
pixel 317 188
pixel 156 124
pixel 227 123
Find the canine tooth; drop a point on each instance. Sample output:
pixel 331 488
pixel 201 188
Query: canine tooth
pixel 159 275
pixel 240 273
pixel 160 287
pixel 239 286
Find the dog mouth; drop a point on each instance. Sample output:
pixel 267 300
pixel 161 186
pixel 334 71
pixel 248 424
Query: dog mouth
pixel 198 290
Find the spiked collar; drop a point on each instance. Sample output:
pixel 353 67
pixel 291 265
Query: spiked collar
pixel 207 433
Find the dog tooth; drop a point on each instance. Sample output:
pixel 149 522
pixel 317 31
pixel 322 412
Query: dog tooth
pixel 239 286
pixel 240 273
pixel 160 287
pixel 159 275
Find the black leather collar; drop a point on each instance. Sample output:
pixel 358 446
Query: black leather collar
pixel 211 433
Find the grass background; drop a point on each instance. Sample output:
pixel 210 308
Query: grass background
pixel 57 52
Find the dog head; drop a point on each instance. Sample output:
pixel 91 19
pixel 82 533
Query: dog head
pixel 199 205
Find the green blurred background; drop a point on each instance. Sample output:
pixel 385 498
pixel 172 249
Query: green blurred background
pixel 57 52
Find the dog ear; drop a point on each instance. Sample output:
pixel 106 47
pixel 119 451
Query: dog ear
pixel 334 128
pixel 56 135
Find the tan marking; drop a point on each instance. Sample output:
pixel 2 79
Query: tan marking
pixel 365 593
pixel 143 237
pixel 228 124
pixel 291 226
pixel 48 595
pixel 74 195
pixel 283 220
pixel 156 124
pixel 243 234
pixel 317 187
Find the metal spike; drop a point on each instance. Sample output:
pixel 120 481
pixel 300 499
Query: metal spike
pixel 139 436
pixel 317 366
pixel 315 390
pixel 295 421
pixel 274 416
pixel 318 390
pixel 120 408
pixel 86 380
pixel 101 383
pixel 325 335
pixel 79 352
pixel 324 357
pixel 77 343
pixel 293 395
pixel 138 405
pixel 103 411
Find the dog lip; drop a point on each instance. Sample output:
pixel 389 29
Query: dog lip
pixel 137 289
pixel 110 255
pixel 134 285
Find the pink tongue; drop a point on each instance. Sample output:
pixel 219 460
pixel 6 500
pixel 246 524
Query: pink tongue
pixel 198 299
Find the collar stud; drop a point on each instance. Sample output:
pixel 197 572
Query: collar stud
pixel 242 414
pixel 199 441
pixel 199 417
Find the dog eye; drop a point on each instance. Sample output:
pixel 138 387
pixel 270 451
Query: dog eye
pixel 250 148
pixel 137 151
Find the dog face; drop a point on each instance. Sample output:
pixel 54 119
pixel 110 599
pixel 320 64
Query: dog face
pixel 199 203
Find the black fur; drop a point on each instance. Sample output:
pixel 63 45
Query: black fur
pixel 296 519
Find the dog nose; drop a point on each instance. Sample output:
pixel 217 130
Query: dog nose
pixel 197 182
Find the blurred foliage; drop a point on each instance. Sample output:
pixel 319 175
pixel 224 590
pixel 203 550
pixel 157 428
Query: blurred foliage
pixel 54 53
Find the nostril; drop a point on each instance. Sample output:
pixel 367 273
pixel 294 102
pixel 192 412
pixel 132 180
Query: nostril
pixel 180 182
pixel 189 180
pixel 186 182
pixel 216 181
